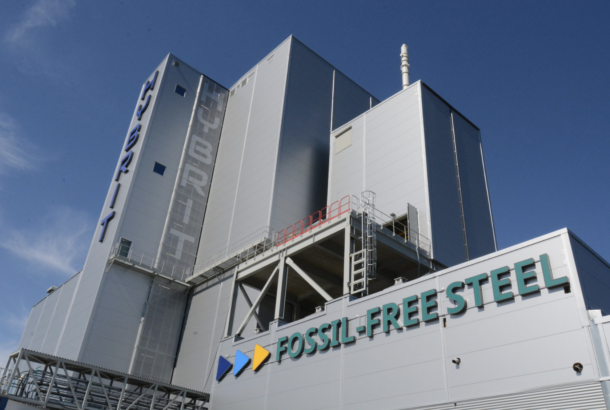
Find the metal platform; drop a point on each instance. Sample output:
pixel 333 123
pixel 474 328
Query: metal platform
pixel 247 248
pixel 125 256
pixel 311 264
pixel 52 382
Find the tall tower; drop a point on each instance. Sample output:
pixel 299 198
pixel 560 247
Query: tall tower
pixel 272 166
pixel 110 314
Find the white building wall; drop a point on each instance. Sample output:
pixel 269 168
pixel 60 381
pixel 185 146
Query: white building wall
pixel 404 150
pixel 116 319
pixel 145 213
pixel 70 340
pixel 346 170
pixel 272 163
pixel 394 166
pixel 203 330
pixel 386 156
pixel 243 178
pixel 79 319
pixel 527 344
pixel 95 317
pixel 111 336
pixel 54 331
pixel 253 200
pixel 29 331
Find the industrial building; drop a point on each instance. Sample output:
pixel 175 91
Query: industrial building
pixel 293 242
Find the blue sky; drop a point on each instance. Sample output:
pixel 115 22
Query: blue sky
pixel 533 75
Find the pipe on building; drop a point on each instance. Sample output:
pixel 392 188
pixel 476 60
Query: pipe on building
pixel 404 66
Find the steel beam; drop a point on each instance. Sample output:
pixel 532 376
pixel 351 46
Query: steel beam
pixel 252 269
pixel 308 279
pixel 118 406
pixel 154 396
pixel 88 388
pixel 292 248
pixel 232 304
pixel 249 302
pixel 348 249
pixel 280 298
pixel 63 365
pixel 171 401
pixel 46 399
pixel 141 395
pixel 15 369
pixel 31 374
pixel 258 301
pixel 99 377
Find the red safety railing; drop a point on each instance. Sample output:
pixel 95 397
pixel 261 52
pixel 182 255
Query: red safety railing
pixel 314 220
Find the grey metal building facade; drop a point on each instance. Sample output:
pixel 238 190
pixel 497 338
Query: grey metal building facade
pixel 293 242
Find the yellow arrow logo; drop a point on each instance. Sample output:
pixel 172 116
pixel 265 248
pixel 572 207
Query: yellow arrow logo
pixel 260 356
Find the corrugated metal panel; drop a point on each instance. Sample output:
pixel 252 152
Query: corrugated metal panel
pixel 393 158
pixel 571 397
pixel 301 177
pixel 392 166
pixel 477 213
pixel 448 243
pixel 594 275
pixel 242 185
pixel 62 310
pixel 114 324
pixel 349 100
pixel 73 337
pixel 30 328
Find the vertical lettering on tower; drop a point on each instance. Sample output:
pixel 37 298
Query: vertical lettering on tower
pixel 128 156
pixel 178 249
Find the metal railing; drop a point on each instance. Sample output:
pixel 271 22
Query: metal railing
pixel 315 220
pixel 266 239
pixel 52 382
pixel 244 249
pixel 125 253
pixel 384 221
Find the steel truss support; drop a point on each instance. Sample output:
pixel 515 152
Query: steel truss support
pixel 258 301
pixel 51 382
pixel 280 298
pixel 249 302
pixel 308 279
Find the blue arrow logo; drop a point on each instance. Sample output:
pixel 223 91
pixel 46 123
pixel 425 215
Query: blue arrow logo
pixel 223 367
pixel 241 361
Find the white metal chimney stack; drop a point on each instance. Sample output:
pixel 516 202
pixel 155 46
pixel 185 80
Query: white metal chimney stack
pixel 404 66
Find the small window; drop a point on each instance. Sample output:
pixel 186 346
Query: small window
pixel 232 92
pixel 159 169
pixel 343 140
pixel 124 248
pixel 243 83
pixel 180 90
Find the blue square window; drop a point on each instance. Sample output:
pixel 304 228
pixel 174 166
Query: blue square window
pixel 159 169
pixel 180 90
